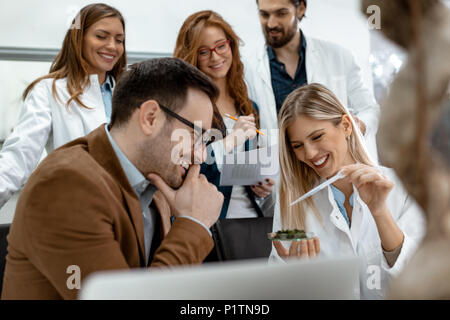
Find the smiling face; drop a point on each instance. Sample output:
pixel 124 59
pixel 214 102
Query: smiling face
pixel 198 110
pixel 103 45
pixel 171 152
pixel 279 20
pixel 217 65
pixel 320 144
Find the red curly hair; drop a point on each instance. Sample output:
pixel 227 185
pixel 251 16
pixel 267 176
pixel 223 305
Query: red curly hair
pixel 188 43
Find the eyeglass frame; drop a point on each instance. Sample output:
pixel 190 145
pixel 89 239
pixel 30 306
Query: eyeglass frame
pixel 186 122
pixel 228 42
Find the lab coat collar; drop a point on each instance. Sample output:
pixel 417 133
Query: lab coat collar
pixel 264 66
pixel 311 62
pixel 108 82
pixel 93 78
pixel 358 212
pixel 339 222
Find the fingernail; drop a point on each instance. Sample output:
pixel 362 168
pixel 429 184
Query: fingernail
pixel 260 183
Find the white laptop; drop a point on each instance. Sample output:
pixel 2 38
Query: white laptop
pixel 242 280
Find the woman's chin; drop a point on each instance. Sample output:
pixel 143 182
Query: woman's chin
pixel 333 173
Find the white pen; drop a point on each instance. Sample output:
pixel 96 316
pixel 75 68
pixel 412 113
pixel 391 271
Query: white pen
pixel 313 191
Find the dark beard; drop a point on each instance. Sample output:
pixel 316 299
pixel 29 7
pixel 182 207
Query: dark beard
pixel 283 39
pixel 155 156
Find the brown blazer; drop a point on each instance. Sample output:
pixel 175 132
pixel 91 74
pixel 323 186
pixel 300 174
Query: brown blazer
pixel 78 208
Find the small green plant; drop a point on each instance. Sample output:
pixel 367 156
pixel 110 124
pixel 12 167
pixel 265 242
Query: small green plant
pixel 288 235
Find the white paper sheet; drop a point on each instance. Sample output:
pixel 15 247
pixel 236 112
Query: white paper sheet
pixel 251 167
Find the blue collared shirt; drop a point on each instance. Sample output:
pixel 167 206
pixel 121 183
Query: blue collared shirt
pixel 106 90
pixel 144 190
pixel 339 197
pixel 282 83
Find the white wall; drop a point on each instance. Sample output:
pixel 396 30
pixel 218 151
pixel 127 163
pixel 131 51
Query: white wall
pixel 14 77
pixel 341 22
pixel 152 26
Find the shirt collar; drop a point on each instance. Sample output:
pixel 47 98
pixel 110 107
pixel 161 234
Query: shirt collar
pixel 135 177
pixel 108 85
pixel 271 53
pixel 340 197
pixel 301 52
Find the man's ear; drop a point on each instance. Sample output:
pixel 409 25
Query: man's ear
pixel 347 125
pixel 301 10
pixel 149 115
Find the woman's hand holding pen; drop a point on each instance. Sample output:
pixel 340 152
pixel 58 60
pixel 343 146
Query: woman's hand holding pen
pixel 243 129
pixel 299 249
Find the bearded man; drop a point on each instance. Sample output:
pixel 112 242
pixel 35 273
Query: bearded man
pixel 290 59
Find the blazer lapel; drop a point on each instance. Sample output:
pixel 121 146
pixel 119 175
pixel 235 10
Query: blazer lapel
pixel 163 209
pixel 101 150
pixel 135 213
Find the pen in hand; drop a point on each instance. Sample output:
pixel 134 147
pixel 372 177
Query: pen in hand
pixel 235 119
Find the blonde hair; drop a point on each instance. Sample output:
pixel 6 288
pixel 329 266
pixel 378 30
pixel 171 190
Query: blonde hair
pixel 297 178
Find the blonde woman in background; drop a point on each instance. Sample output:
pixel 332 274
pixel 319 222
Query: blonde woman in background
pixel 364 214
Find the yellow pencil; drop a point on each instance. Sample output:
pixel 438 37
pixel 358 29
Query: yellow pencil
pixel 235 119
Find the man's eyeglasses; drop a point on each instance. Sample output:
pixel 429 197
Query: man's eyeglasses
pixel 206 139
pixel 221 48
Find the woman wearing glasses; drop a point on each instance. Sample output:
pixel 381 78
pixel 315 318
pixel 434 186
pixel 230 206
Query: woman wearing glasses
pixel 70 101
pixel 208 42
pixel 364 214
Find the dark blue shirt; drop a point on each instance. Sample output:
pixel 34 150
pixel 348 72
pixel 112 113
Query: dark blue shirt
pixel 282 83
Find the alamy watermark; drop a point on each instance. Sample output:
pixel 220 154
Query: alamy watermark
pixel 74 280
pixel 374 279
pixel 374 21
pixel 192 148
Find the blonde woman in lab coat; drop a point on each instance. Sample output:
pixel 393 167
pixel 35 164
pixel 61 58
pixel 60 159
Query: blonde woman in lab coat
pixel 70 101
pixel 367 213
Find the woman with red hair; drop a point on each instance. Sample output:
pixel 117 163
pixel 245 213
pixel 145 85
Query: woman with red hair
pixel 208 42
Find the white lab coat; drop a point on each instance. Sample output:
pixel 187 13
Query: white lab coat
pixel 42 115
pixel 337 240
pixel 328 64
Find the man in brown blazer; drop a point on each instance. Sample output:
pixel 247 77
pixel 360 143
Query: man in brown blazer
pixel 105 201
